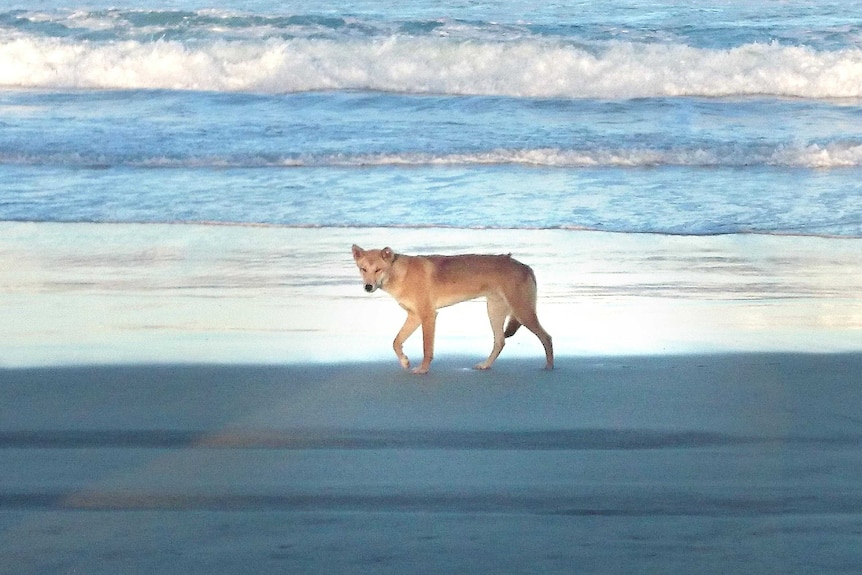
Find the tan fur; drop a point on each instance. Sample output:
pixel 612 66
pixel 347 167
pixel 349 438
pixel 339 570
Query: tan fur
pixel 423 284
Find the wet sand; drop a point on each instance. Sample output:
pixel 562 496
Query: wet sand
pixel 126 293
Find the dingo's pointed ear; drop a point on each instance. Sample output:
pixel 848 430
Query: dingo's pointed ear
pixel 357 252
pixel 387 254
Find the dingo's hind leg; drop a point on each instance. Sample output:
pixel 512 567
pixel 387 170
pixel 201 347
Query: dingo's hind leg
pixel 547 343
pixel 498 310
pixel 527 317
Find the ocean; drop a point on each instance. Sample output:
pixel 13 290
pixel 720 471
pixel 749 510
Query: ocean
pixel 583 137
pixel 625 116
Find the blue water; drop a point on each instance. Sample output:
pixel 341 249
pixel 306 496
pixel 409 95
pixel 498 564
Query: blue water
pixel 626 116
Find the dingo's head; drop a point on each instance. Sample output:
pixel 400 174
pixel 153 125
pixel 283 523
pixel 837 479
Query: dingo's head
pixel 373 265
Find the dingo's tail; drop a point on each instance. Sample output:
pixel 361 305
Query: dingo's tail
pixel 511 327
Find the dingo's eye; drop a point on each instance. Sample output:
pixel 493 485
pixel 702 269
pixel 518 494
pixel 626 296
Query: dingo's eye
pixel 363 270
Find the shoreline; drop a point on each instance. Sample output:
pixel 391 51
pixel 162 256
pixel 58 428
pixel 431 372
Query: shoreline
pixel 435 228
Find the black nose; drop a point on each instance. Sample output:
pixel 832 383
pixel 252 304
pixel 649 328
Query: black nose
pixel 369 288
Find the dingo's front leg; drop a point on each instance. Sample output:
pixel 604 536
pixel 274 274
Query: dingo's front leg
pixel 498 309
pixel 410 324
pixel 429 324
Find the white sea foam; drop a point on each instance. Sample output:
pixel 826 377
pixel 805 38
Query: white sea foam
pixel 838 155
pixel 817 156
pixel 532 67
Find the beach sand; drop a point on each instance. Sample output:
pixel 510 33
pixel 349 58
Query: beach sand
pixel 212 399
pixel 731 463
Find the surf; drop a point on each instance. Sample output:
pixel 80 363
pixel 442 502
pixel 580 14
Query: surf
pixel 203 52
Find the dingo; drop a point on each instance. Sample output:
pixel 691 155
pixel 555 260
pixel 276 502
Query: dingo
pixel 424 284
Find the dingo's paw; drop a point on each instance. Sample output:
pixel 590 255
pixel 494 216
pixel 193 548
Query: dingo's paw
pixel 405 363
pixel 482 366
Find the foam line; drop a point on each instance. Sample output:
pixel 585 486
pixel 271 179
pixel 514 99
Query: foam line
pixel 835 154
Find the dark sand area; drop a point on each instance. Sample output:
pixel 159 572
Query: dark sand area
pixel 726 463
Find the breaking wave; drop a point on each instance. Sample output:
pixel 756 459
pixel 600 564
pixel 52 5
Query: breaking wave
pixel 208 52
